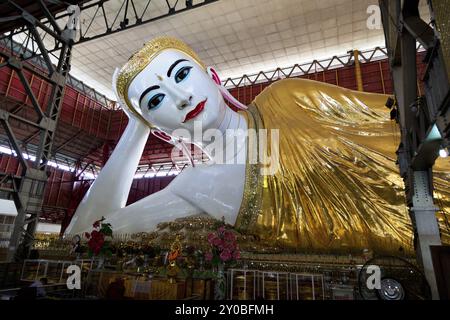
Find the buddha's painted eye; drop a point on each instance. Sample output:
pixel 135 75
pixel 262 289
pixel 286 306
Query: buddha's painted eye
pixel 155 101
pixel 182 74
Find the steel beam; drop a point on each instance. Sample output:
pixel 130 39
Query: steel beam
pixel 65 143
pixel 128 16
pixel 4 120
pixel 29 194
pixel 423 213
pixel 417 119
pixel 9 183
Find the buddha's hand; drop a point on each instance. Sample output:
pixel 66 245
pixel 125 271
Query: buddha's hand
pixel 130 114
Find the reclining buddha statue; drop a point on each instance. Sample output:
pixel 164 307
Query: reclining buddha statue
pixel 333 183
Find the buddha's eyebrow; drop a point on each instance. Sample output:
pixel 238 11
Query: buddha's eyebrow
pixel 173 66
pixel 147 91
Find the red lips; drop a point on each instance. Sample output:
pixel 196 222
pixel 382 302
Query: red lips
pixel 192 114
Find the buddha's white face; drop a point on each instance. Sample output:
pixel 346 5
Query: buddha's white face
pixel 173 92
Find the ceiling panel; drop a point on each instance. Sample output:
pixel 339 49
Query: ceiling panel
pixel 238 37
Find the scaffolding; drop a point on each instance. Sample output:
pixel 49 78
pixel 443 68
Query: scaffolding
pixel 423 119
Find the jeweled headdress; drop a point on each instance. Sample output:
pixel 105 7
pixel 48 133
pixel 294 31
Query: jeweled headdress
pixel 143 57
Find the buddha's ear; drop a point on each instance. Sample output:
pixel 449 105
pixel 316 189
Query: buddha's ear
pixel 214 76
pixel 227 95
pixel 162 135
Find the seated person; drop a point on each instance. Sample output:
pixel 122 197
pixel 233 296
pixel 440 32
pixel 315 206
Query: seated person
pixel 39 285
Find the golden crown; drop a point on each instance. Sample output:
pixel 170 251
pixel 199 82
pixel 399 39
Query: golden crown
pixel 143 57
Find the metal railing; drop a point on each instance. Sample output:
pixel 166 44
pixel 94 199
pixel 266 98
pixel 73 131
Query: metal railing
pixel 297 70
pixel 315 66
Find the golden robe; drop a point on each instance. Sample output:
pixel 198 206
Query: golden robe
pixel 338 188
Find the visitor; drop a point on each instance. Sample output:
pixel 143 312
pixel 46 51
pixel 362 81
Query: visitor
pixel 40 287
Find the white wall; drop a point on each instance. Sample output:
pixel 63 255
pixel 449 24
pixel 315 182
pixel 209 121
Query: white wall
pixel 48 228
pixel 8 208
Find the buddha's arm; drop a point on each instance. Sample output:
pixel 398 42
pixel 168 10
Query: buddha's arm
pixel 109 192
pixel 145 214
pixel 214 190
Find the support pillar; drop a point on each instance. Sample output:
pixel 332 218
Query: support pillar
pixel 28 202
pixel 29 197
pixel 358 74
pixel 403 27
pixel 423 212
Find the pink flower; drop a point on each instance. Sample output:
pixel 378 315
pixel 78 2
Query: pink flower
pixel 225 255
pixel 208 256
pixel 229 236
pixel 223 241
pixel 211 238
pixel 217 242
pixel 229 246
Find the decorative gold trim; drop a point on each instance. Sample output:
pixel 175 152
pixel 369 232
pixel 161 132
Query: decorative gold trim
pixel 253 186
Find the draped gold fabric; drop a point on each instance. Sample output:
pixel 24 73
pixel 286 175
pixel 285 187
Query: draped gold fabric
pixel 338 187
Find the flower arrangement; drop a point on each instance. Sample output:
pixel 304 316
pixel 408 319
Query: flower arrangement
pixel 224 248
pixel 97 239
